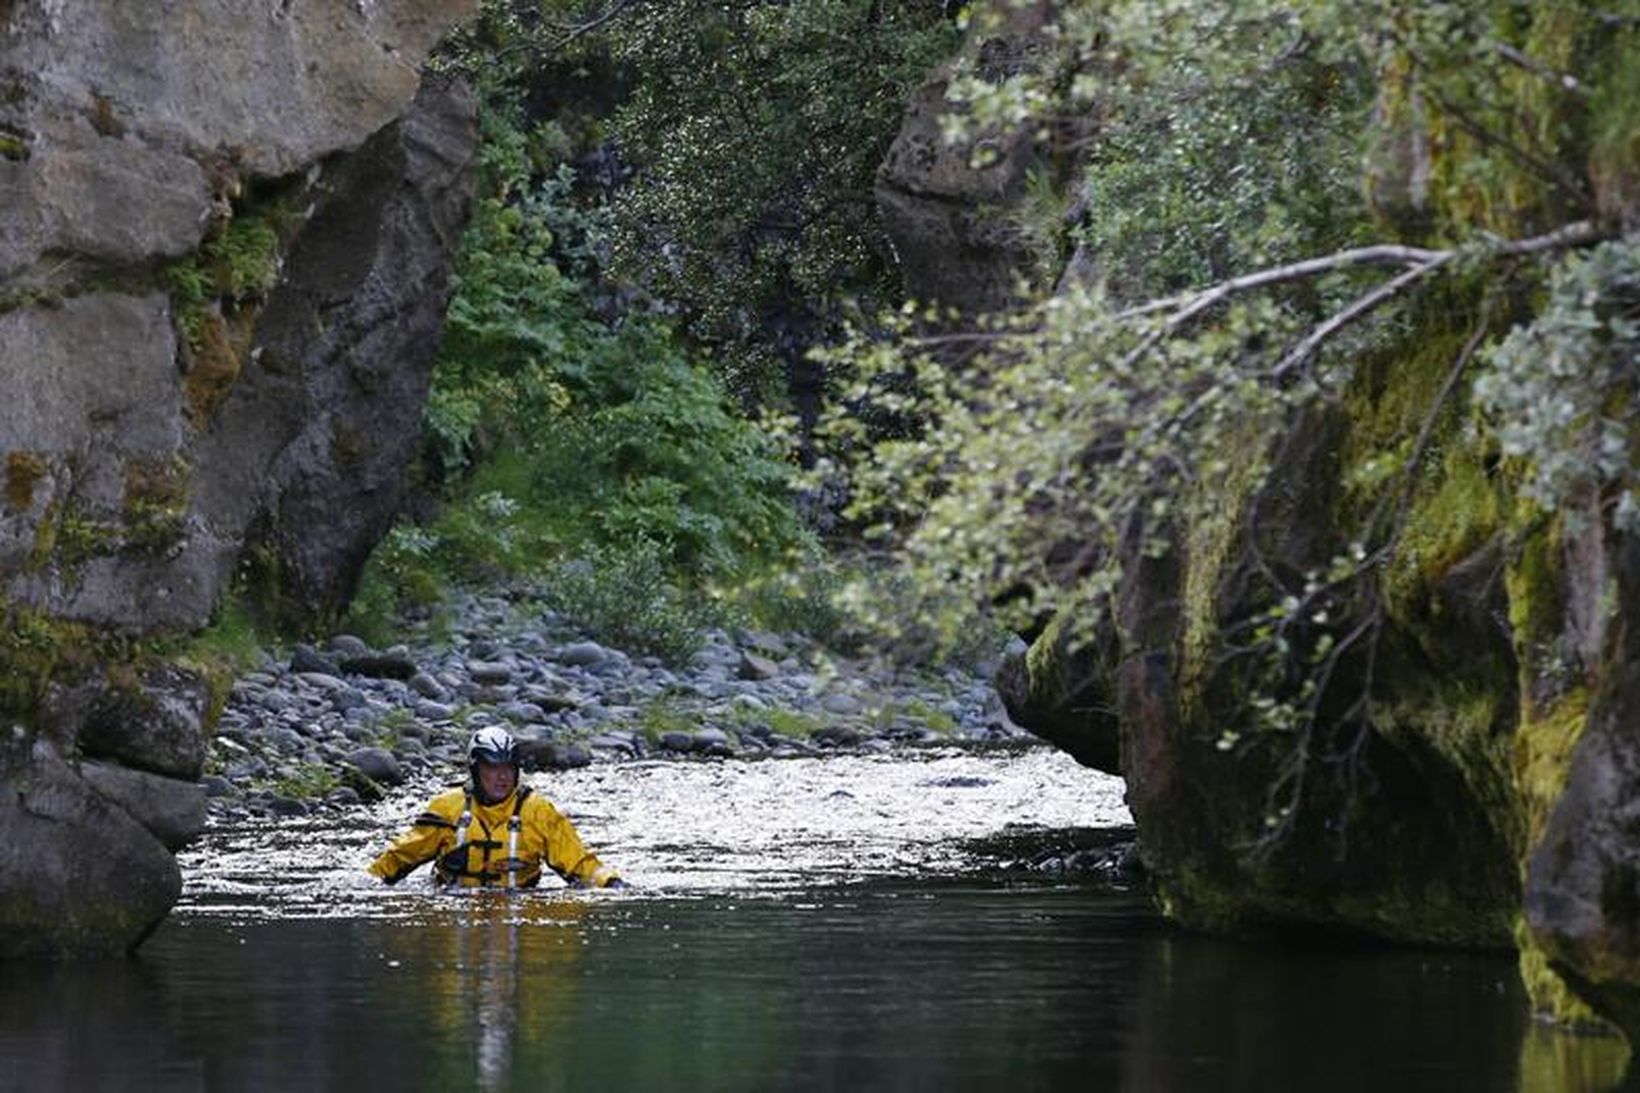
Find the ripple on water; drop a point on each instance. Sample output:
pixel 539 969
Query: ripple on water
pixel 683 828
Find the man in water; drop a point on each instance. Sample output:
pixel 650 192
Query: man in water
pixel 492 833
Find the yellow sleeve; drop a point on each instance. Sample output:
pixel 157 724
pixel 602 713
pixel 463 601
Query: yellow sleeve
pixel 566 854
pixel 430 835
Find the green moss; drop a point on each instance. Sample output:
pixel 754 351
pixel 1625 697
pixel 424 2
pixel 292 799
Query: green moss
pixel 1455 510
pixel 665 715
pixel 1044 662
pixel 1483 115
pixel 24 470
pixel 1550 997
pixel 793 723
pixel 155 502
pixel 1390 397
pixel 68 538
pixel 1614 154
pixel 37 649
pixel 1553 713
pixel 347 445
pixel 243 261
pixel 1543 754
pixel 1213 545
pixel 1416 916
pixel 104 118
pixel 214 364
pixel 1462 720
pixel 308 781
pixel 218 292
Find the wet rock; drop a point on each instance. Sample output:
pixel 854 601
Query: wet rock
pixel 305 658
pixel 215 785
pixel 428 686
pixel 527 713
pixel 838 736
pixel 324 681
pixel 555 755
pixel 611 742
pixel 155 723
pixel 173 810
pixel 377 764
pixel 843 705
pixel 248 769
pixel 81 877
pixel 346 699
pixel 286 741
pixel 288 807
pixel 364 787
pixel 711 742
pixel 346 646
pixel 380 665
pixel 755 667
pixel 274 701
pixel 490 673
pixel 584 654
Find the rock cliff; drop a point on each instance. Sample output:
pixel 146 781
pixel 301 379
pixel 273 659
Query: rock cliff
pixel 225 242
pixel 1470 779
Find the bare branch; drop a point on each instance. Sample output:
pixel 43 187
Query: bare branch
pixel 1422 261
pixel 1383 254
pixel 1359 307
pixel 1563 80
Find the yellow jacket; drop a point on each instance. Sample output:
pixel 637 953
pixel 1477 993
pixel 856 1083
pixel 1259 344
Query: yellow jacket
pixel 496 846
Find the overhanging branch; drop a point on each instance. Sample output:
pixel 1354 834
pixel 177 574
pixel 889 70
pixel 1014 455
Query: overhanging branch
pixel 1421 263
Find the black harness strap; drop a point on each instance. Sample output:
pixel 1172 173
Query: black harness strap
pixel 457 864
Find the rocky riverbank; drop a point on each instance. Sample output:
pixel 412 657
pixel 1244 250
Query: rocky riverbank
pixel 332 727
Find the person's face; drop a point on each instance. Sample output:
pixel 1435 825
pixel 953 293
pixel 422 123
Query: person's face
pixel 496 779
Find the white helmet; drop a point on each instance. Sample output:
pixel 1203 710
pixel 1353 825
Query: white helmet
pixel 491 744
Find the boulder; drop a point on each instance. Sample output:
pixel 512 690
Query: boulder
pixel 82 877
pixel 378 765
pixel 155 722
pixel 173 810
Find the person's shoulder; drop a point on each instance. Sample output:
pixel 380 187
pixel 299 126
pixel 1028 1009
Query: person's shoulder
pixel 450 801
pixel 537 803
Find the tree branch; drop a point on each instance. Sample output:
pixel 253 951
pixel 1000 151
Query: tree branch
pixel 1422 261
pixel 1359 307
pixel 1563 80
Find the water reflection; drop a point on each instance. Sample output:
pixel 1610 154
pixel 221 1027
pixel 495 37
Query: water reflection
pixel 936 985
pixel 490 967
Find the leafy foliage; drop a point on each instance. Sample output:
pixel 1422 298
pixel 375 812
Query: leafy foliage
pixel 756 128
pixel 629 598
pixel 561 435
pixel 1563 389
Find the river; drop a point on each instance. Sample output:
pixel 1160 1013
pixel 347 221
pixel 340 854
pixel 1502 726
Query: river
pixel 885 922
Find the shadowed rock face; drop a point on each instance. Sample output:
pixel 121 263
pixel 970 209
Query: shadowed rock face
pixel 225 240
pixel 352 330
pixel 1583 884
pixel 947 207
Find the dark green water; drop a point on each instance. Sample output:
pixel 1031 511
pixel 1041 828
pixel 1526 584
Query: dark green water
pixel 947 985
pixel 925 960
